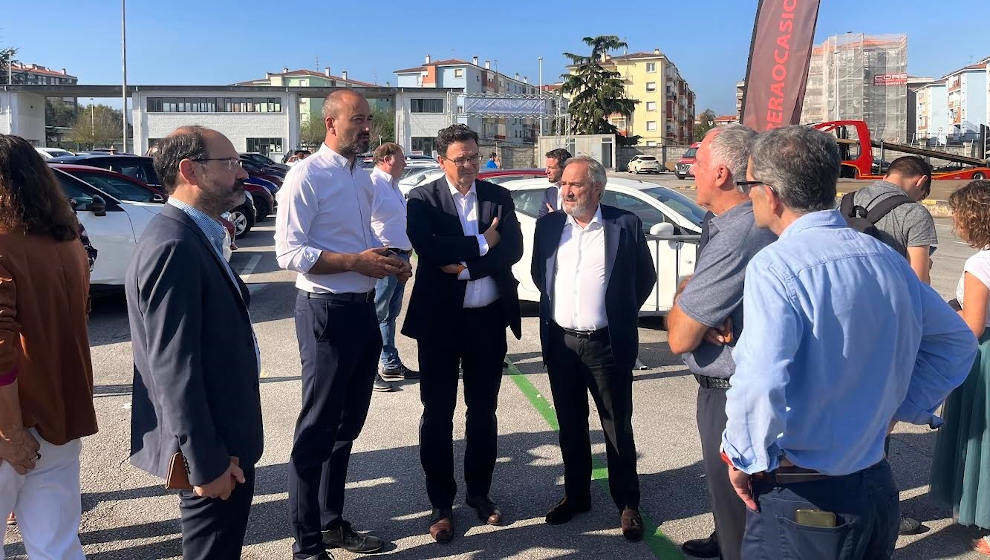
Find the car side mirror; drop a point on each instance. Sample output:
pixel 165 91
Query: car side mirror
pixel 98 206
pixel 662 229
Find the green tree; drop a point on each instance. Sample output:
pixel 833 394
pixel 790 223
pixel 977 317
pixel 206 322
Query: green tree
pixel 311 133
pixel 59 113
pixel 595 91
pixel 6 57
pixel 704 123
pixel 382 126
pixel 97 126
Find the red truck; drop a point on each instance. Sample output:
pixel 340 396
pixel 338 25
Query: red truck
pixel 858 162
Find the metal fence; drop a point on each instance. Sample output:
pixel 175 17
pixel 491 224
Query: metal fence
pixel 674 257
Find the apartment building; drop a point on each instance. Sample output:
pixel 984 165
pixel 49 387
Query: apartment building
pixel 665 112
pixel 968 99
pixel 931 113
pixel 309 108
pixel 35 74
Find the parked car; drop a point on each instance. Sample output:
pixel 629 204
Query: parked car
pixel 115 184
pixel 415 176
pixel 114 226
pixel 664 212
pixel 244 216
pixel 263 160
pixel 264 202
pixel 643 164
pixel 683 167
pixel 136 167
pixel 500 176
pixel 49 153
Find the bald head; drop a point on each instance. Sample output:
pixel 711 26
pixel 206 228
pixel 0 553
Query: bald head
pixel 347 116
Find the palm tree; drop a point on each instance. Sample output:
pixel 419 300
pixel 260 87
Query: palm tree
pixel 596 92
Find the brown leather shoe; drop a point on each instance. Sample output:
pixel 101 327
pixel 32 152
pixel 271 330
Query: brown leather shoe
pixel 486 509
pixel 442 525
pixel 632 525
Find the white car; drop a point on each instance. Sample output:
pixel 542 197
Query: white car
pixel 643 164
pixel 418 176
pixel 49 153
pixel 671 220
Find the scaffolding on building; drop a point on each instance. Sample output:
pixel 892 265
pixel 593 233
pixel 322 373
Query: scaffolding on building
pixel 860 77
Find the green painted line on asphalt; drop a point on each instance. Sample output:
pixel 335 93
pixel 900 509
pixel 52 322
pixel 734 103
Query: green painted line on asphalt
pixel 662 547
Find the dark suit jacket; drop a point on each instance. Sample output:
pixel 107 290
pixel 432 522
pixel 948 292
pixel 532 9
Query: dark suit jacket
pixel 438 239
pixel 629 276
pixel 195 369
pixel 549 197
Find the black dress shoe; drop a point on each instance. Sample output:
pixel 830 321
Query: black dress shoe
pixel 702 548
pixel 566 509
pixel 321 556
pixel 342 536
pixel 486 509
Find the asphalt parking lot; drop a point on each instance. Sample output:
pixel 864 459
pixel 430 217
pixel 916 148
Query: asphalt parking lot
pixel 128 515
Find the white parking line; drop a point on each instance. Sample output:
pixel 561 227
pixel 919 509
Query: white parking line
pixel 249 267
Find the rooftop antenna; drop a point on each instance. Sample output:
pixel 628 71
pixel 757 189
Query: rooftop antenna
pixel 317 63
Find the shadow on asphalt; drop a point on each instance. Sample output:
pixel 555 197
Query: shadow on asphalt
pixel 386 495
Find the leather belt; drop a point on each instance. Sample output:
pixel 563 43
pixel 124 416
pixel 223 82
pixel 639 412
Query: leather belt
pixel 349 297
pixel 587 335
pixel 712 382
pixel 791 475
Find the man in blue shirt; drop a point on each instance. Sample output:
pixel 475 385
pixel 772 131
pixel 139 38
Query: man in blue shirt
pixel 841 340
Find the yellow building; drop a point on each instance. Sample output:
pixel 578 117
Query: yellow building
pixel 665 112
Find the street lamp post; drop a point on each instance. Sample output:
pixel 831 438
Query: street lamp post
pixel 123 86
pixel 542 108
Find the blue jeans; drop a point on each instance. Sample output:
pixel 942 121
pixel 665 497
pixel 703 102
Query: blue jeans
pixel 865 504
pixel 388 303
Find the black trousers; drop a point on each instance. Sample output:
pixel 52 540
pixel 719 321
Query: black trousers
pixel 339 345
pixel 728 510
pixel 865 504
pixel 575 366
pixel 479 346
pixel 213 529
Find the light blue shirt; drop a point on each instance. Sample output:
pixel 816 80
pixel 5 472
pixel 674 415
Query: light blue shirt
pixel 214 230
pixel 841 338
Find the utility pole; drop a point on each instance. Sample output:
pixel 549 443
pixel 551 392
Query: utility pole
pixel 123 61
pixel 542 108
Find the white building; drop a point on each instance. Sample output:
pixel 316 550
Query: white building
pixel 462 77
pixel 23 114
pixel 966 92
pixel 932 112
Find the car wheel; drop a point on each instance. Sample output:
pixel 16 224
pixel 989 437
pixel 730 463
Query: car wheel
pixel 978 176
pixel 679 177
pixel 243 219
pixel 263 210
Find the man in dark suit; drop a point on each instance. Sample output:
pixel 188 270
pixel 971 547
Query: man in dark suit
pixel 554 169
pixel 196 361
pixel 467 238
pixel 594 271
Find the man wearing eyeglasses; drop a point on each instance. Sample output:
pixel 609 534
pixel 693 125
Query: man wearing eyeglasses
pixel 707 318
pixel 466 237
pixel 196 360
pixel 323 232
pixel 841 340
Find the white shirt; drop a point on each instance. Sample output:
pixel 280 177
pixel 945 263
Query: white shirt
pixel 560 198
pixel 979 266
pixel 483 291
pixel 324 205
pixel 388 212
pixel 579 283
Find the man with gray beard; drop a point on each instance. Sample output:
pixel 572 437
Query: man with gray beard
pixel 594 272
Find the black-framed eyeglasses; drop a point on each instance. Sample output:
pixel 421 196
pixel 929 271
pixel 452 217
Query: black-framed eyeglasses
pixel 232 162
pixel 464 161
pixel 746 186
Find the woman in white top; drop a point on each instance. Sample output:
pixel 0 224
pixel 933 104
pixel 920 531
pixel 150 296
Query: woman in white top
pixel 961 465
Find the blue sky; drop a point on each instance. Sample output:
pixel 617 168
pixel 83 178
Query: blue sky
pixel 224 41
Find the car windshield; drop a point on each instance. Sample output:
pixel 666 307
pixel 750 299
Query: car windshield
pixel 119 188
pixel 678 203
pixel 647 158
pixel 690 152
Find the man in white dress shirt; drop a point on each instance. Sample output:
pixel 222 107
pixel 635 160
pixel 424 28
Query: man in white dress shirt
pixel 466 238
pixel 388 221
pixel 323 232
pixel 594 271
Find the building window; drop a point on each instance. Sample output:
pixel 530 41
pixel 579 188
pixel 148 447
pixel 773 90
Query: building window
pixel 651 144
pixel 651 125
pixel 426 105
pixel 458 72
pixel 214 105
pixel 651 105
pixel 651 66
pixel 651 86
pixel 265 146
pixel 423 144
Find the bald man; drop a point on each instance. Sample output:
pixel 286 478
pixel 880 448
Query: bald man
pixel 196 362
pixel 323 232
